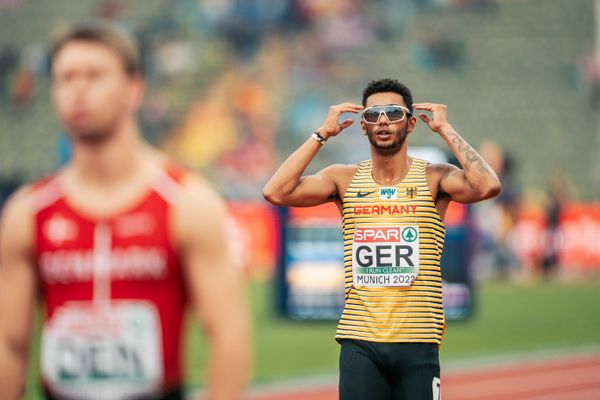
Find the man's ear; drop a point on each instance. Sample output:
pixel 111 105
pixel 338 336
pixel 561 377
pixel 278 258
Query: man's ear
pixel 412 123
pixel 363 126
pixel 137 94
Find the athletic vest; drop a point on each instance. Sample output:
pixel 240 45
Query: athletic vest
pixel 393 241
pixel 114 295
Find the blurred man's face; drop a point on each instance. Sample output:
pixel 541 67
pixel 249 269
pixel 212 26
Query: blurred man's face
pixel 91 90
pixel 385 137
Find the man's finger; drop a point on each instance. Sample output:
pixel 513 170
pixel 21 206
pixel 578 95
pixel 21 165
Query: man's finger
pixel 424 106
pixel 424 118
pixel 346 123
pixel 347 107
pixel 353 105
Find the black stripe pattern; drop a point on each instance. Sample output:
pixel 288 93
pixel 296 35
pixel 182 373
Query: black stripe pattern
pixel 411 313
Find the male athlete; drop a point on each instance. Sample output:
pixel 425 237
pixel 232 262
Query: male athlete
pixel 116 244
pixel 392 208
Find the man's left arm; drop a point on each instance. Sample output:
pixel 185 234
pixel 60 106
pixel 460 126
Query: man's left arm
pixel 216 288
pixel 476 180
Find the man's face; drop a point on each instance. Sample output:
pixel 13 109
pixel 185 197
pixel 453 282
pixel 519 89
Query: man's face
pixel 385 137
pixel 91 90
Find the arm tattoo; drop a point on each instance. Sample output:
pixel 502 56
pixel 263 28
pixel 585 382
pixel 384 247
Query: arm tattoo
pixel 471 156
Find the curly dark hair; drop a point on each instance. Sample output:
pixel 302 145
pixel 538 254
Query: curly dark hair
pixel 388 85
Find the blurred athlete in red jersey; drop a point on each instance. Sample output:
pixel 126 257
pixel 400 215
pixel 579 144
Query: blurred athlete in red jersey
pixel 116 244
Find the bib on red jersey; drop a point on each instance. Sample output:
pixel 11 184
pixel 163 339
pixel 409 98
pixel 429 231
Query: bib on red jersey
pixel 105 351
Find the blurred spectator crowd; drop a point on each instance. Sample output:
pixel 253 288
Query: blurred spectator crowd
pixel 227 77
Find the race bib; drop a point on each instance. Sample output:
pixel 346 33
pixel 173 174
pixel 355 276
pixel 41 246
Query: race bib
pixel 110 351
pixel 385 255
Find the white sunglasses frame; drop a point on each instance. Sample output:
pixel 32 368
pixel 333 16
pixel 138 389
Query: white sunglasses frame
pixel 406 112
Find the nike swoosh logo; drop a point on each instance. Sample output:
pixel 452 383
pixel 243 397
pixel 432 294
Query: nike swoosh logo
pixel 364 194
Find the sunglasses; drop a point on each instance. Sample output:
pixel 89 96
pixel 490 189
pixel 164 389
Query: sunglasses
pixel 393 113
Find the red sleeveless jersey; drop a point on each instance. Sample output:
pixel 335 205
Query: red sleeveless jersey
pixel 114 295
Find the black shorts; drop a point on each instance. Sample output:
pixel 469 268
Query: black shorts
pixel 386 371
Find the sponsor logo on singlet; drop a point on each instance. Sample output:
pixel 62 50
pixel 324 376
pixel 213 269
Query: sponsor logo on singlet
pixel 59 229
pixel 361 194
pixel 388 193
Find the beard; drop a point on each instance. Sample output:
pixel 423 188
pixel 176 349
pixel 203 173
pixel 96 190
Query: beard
pixel 91 133
pixel 88 135
pixel 388 148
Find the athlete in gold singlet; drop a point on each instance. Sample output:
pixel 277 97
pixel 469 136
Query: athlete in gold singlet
pixel 392 207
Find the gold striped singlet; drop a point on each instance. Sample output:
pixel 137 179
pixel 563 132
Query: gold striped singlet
pixel 393 241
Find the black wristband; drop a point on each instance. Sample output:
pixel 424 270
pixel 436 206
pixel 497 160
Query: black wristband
pixel 318 137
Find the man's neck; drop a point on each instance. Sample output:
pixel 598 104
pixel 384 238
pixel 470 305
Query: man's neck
pixel 110 162
pixel 390 169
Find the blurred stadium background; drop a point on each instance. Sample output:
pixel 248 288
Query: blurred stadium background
pixel 233 86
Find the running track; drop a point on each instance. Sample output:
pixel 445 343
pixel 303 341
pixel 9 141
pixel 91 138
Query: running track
pixel 566 378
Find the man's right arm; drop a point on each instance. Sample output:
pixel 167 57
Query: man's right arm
pixel 289 187
pixel 17 294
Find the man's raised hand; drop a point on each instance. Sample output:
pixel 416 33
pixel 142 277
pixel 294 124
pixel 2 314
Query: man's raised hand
pixel 439 117
pixel 332 125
